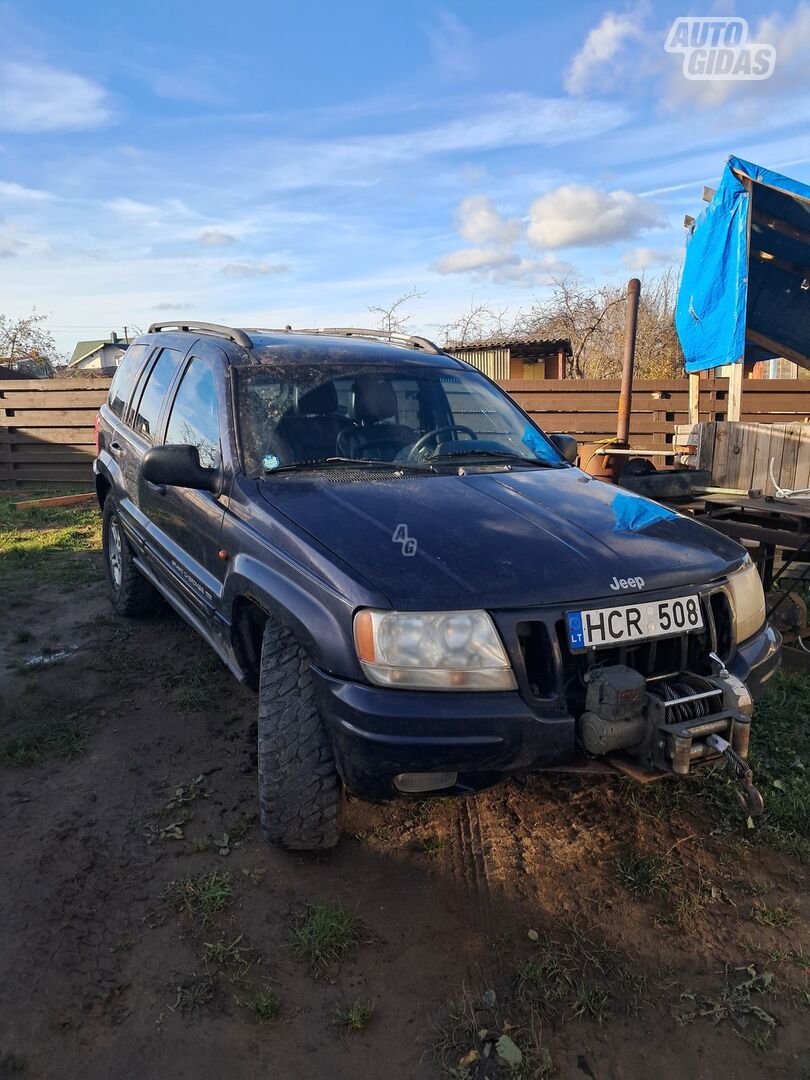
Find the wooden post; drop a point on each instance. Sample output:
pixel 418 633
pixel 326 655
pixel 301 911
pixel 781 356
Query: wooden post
pixel 694 398
pixel 735 387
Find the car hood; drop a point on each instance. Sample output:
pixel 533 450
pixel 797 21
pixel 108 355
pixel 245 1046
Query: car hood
pixel 522 538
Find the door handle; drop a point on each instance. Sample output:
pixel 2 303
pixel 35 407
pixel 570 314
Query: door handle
pixel 115 448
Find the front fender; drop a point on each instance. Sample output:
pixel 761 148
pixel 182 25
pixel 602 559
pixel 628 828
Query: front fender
pixel 320 617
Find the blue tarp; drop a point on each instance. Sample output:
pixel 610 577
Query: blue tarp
pixel 713 301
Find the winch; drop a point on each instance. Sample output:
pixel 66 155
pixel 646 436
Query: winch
pixel 668 724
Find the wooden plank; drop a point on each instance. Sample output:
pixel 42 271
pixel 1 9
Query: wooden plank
pixel 694 398
pixel 48 417
pixel 46 386
pixel 706 445
pixel 777 348
pixel 49 473
pixel 734 405
pixel 59 500
pixel 37 436
pixel 802 475
pixel 720 460
pixel 58 399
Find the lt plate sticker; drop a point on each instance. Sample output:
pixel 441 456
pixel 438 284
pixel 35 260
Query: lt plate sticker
pixel 633 622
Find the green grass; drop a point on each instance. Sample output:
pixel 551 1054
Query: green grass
pixel 779 917
pixel 47 544
pixel 356 1016
pixel 63 739
pixel 265 1004
pixel 642 875
pixel 203 896
pixel 324 932
pixel 780 761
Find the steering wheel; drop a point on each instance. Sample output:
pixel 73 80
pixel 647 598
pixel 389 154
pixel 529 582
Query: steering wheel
pixel 419 445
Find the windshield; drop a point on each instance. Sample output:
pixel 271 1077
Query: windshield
pixel 299 414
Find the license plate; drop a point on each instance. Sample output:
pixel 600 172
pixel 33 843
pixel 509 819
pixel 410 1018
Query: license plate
pixel 633 622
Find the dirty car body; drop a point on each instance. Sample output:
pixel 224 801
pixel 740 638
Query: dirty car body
pixel 471 604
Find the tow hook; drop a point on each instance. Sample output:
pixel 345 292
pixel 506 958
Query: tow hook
pixel 750 799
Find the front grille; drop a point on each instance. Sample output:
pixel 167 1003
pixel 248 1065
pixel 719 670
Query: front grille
pixel 553 671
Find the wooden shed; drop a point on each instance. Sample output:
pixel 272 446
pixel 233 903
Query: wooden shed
pixel 513 358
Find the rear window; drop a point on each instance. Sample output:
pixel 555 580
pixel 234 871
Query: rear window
pixel 124 378
pixel 158 382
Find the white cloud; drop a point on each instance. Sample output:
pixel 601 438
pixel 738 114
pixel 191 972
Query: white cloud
pixel 131 207
pixel 532 272
pixel 479 221
pixel 474 259
pixel 16 240
pixel 452 45
pixel 253 269
pixel 640 257
pixel 215 238
pixel 37 97
pixel 576 215
pixel 790 79
pixel 602 45
pixel 170 305
pixel 506 120
pixel 10 190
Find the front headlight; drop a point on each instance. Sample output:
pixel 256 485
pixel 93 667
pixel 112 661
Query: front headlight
pixel 432 650
pixel 747 601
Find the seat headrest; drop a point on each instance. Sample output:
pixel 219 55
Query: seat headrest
pixel 320 401
pixel 374 400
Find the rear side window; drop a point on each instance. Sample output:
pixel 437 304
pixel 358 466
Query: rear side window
pixel 157 383
pixel 194 420
pixel 124 378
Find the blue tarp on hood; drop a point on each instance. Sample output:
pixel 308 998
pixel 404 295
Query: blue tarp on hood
pixel 712 307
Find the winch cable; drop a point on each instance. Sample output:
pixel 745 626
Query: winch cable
pixel 686 710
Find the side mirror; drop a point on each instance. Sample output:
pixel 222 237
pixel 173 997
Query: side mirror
pixel 178 466
pixel 567 445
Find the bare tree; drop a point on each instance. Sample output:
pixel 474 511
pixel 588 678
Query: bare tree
pixel 391 319
pixel 27 346
pixel 479 322
pixel 593 320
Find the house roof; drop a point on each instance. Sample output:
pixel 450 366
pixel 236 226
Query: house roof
pixel 541 345
pixel 84 349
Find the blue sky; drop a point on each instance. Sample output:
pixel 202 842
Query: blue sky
pixel 276 164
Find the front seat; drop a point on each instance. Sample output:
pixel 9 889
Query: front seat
pixel 312 430
pixel 375 401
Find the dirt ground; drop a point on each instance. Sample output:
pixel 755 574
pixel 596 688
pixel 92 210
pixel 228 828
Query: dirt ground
pixel 603 930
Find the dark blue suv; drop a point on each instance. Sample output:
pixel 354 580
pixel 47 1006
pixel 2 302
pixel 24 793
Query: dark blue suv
pixel 427 593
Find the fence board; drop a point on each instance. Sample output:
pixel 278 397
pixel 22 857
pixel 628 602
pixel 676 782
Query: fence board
pixel 46 425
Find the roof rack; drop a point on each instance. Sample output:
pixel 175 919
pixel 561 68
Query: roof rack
pixel 239 337
pixel 408 340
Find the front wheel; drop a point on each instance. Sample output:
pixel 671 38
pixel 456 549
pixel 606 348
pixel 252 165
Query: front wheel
pixel 300 792
pixel 130 592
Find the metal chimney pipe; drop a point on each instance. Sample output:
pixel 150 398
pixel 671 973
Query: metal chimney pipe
pixel 628 363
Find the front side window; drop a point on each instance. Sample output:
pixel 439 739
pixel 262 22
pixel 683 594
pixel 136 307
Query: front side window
pixel 124 378
pixel 194 420
pixel 296 415
pixel 157 383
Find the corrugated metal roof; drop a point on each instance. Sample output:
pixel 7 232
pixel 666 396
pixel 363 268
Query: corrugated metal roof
pixel 544 344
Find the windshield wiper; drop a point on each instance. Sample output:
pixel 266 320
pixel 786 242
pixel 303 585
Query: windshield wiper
pixel 357 463
pixel 508 455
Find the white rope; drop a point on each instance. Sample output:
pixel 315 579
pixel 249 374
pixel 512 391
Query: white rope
pixel 785 493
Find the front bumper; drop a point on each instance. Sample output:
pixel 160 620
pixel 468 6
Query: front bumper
pixel 377 733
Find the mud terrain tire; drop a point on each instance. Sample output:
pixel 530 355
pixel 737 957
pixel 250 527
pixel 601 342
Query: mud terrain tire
pixel 300 792
pixel 130 592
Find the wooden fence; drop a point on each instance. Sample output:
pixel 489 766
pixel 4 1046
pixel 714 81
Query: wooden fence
pixel 46 430
pixel 46 426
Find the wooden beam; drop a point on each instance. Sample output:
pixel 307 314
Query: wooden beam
pixel 735 386
pixel 694 398
pixel 767 221
pixel 782 264
pixel 776 348
pixel 62 500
